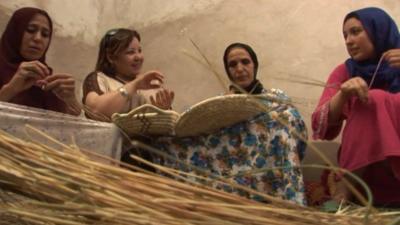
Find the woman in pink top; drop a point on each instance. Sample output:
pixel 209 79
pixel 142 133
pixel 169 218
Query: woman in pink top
pixel 364 92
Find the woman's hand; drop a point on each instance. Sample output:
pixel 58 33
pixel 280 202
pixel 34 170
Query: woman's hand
pixel 149 80
pixel 163 99
pixel 393 57
pixel 63 86
pixel 355 86
pixel 28 74
pixel 152 80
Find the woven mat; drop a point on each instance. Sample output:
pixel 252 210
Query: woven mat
pixel 218 112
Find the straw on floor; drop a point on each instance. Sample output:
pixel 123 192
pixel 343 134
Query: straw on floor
pixel 44 185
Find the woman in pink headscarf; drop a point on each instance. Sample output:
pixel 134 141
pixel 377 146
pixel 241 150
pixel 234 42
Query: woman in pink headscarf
pixel 25 78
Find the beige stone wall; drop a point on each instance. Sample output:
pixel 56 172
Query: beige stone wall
pixel 293 39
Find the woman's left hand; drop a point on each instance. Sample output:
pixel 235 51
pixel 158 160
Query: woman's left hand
pixel 63 86
pixel 392 57
pixel 163 99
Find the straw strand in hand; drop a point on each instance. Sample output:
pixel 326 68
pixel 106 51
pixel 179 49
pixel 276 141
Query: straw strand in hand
pixel 376 72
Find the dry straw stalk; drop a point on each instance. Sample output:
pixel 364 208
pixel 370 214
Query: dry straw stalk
pixel 46 185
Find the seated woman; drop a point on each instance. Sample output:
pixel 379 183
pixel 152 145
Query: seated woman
pixel 117 84
pixel 25 78
pixel 260 142
pixel 363 91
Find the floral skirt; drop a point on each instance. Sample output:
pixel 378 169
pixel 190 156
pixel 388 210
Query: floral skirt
pixel 260 143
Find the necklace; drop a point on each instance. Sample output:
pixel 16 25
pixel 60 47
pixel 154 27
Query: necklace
pixel 120 79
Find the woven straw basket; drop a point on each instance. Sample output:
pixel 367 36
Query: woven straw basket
pixel 147 120
pixel 204 117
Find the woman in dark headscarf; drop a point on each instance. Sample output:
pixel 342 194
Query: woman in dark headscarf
pixel 258 142
pixel 363 91
pixel 241 66
pixel 25 78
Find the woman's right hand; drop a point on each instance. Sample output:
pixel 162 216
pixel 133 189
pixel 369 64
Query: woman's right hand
pixel 27 75
pixel 393 57
pixel 355 86
pixel 149 80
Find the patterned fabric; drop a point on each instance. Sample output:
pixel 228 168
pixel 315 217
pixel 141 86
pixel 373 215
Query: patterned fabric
pixel 319 192
pixel 258 143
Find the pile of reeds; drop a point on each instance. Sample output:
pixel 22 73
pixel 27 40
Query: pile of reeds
pixel 46 185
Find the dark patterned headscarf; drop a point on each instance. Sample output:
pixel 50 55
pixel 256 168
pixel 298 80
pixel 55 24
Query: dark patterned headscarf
pixel 255 87
pixel 383 33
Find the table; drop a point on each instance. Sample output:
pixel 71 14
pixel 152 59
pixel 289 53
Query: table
pixel 100 137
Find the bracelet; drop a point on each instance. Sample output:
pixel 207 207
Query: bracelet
pixel 123 92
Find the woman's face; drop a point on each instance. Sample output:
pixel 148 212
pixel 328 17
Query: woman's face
pixel 36 38
pixel 358 44
pixel 241 67
pixel 128 63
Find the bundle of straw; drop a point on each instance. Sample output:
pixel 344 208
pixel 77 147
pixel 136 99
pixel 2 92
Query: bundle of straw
pixel 44 185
